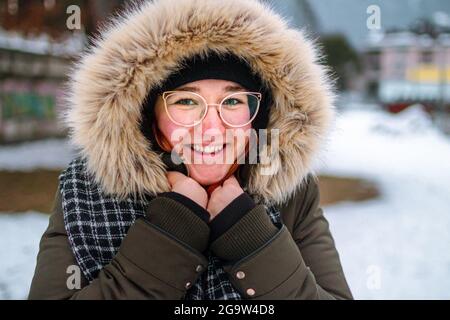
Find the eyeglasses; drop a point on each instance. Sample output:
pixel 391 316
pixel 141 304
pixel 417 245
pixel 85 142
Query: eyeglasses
pixel 188 109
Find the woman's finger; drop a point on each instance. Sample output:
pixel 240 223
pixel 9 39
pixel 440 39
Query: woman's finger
pixel 231 181
pixel 216 191
pixel 174 177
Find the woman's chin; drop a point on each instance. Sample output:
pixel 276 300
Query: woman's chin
pixel 208 174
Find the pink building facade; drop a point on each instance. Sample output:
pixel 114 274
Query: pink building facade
pixel 405 68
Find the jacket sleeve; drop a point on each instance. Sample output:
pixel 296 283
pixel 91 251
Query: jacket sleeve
pixel 270 263
pixel 142 269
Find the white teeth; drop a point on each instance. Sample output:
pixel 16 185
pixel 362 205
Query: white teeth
pixel 207 149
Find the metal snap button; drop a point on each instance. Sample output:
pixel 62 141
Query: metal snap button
pixel 199 268
pixel 240 275
pixel 251 292
pixel 188 285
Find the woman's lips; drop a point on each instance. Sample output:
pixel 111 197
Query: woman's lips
pixel 205 154
pixel 208 149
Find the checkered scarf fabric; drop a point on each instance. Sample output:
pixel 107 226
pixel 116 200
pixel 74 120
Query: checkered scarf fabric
pixel 96 225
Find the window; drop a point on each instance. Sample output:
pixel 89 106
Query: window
pixel 427 57
pixel 13 7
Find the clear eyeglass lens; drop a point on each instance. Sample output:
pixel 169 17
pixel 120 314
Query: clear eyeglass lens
pixel 240 108
pixel 185 108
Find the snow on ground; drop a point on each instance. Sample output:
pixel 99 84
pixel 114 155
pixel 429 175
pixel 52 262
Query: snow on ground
pixel 20 233
pixel 46 154
pixel 43 44
pixel 19 244
pixel 397 246
pixel 393 247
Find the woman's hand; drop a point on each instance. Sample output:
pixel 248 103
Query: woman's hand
pixel 188 187
pixel 223 195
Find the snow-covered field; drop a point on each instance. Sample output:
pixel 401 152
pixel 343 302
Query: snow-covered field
pixel 394 247
pixel 19 243
pixel 20 233
pixel 398 246
pixel 45 154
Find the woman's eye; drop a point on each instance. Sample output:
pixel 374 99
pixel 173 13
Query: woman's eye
pixel 188 102
pixel 232 101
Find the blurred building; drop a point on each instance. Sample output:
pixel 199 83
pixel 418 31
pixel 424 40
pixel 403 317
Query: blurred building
pixel 32 73
pixel 36 51
pixel 37 48
pixel 404 67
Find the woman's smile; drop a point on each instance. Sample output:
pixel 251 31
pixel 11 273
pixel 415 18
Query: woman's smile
pixel 209 149
pixel 209 153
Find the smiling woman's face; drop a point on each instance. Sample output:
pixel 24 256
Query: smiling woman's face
pixel 212 140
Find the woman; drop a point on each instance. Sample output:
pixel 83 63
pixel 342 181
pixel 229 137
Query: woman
pixel 150 209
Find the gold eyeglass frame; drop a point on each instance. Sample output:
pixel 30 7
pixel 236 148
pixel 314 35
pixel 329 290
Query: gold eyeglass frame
pixel 257 94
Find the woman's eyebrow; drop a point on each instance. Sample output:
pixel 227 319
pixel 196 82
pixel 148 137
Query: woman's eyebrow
pixel 195 89
pixel 233 88
pixel 230 88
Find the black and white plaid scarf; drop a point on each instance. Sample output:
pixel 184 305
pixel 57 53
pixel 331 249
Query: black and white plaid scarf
pixel 96 225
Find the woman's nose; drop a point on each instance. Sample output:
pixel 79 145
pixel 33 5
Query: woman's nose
pixel 212 119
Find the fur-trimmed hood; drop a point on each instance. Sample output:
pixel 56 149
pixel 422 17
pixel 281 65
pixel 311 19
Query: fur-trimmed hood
pixel 140 48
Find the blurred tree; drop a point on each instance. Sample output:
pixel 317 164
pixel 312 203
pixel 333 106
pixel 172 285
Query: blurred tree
pixel 341 57
pixel 430 27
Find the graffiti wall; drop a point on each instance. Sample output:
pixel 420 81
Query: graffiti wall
pixel 27 106
pixel 28 109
